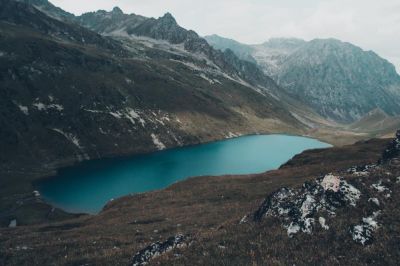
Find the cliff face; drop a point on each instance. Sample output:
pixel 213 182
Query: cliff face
pixel 338 80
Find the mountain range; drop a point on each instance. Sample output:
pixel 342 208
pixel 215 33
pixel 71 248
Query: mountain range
pixel 71 93
pixel 337 79
pixel 108 84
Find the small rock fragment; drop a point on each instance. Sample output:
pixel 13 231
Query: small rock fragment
pixel 13 223
pixel 323 224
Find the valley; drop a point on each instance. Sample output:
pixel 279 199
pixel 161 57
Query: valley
pixel 97 97
pixel 247 150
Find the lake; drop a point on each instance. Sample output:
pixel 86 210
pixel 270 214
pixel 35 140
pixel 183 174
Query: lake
pixel 88 186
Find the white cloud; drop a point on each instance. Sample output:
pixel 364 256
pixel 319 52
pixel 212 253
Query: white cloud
pixel 370 24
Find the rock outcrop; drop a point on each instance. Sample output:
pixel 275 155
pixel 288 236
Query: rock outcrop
pixel 321 200
pixel 159 248
pixel 393 149
pixel 298 208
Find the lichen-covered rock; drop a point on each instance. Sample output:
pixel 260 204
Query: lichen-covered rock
pixel 158 248
pixel 362 233
pixel 361 170
pixel 298 208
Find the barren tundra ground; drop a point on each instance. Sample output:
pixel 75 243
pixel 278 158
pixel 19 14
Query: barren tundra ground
pixel 209 209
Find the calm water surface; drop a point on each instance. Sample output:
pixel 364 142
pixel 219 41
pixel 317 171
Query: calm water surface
pixel 88 186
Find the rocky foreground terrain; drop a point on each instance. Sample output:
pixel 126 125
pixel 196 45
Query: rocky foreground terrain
pixel 339 201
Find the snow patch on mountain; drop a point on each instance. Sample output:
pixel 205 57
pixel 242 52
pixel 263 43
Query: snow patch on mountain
pixel 23 109
pixel 71 137
pixel 45 107
pixel 157 142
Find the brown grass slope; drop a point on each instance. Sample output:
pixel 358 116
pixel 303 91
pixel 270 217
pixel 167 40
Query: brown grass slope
pixel 207 208
pixel 376 122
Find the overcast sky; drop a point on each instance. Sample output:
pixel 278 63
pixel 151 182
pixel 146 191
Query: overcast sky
pixel 370 24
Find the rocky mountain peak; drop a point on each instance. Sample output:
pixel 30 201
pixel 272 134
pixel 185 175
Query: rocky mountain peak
pixel 117 10
pixel 168 19
pixel 167 29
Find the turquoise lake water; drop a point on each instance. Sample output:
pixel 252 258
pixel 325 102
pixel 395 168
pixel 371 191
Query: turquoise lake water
pixel 88 186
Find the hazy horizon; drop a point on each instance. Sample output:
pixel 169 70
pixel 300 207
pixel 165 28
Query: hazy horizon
pixel 368 24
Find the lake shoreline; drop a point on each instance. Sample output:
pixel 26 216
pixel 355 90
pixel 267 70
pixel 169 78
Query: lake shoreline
pixel 79 188
pixel 132 155
pixel 29 176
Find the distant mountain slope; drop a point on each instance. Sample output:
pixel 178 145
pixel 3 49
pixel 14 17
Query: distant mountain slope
pixel 50 9
pixel 272 54
pixel 116 23
pixel 340 80
pixel 243 51
pixel 377 122
pixel 22 14
pixel 133 28
pixel 109 22
pixel 269 55
pixel 337 79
